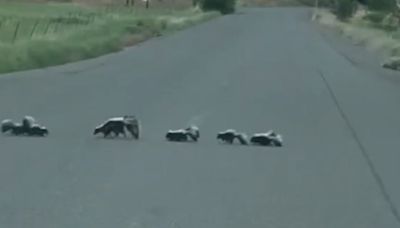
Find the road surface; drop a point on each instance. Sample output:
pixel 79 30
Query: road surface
pixel 257 70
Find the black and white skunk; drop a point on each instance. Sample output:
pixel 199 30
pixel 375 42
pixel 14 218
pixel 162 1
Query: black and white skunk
pixel 267 139
pixel 183 135
pixel 230 135
pixel 117 126
pixel 28 127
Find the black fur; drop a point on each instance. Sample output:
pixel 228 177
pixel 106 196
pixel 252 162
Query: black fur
pixel 261 140
pixel 111 126
pixel 18 129
pixel 227 136
pixel 117 126
pixel 37 130
pixel 177 136
pixel 266 140
pixel 183 135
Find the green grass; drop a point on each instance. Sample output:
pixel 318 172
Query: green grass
pixel 40 35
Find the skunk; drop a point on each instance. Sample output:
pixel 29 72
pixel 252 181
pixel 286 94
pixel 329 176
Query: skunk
pixel 177 135
pixel 113 125
pixel 117 126
pixel 183 135
pixel 27 127
pixel 230 135
pixel 267 139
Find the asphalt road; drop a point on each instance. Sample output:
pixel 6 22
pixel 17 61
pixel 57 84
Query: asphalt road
pixel 257 70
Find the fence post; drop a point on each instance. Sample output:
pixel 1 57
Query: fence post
pixel 316 7
pixel 34 28
pixel 47 27
pixel 130 2
pixel 56 27
pixel 16 31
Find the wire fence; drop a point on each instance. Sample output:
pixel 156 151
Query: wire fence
pixel 13 29
pixel 19 28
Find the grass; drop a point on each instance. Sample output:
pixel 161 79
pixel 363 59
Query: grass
pixel 366 32
pixel 46 34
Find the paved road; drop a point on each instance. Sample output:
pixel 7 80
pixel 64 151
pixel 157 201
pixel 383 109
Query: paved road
pixel 337 111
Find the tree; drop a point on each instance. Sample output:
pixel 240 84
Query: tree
pixel 382 5
pixel 345 9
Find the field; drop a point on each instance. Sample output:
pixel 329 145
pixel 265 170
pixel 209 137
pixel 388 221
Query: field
pixel 34 35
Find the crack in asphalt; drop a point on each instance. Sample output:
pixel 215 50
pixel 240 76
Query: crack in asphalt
pixel 83 70
pixel 348 58
pixel 375 174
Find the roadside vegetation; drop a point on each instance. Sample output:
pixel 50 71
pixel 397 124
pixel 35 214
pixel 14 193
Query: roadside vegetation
pixel 223 6
pixel 372 23
pixel 35 35
pixel 263 3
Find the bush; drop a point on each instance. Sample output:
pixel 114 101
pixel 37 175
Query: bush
pixel 345 9
pixel 375 17
pixel 390 23
pixel 382 5
pixel 224 6
pixel 323 3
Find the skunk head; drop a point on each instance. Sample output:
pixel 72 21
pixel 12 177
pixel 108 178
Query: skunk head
pixel 194 131
pixel 45 131
pixel 97 130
